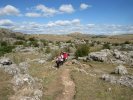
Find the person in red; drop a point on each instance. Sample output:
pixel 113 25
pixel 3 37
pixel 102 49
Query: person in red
pixel 65 56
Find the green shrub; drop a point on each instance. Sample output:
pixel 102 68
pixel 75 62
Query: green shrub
pixel 45 42
pixel 69 41
pixel 116 44
pixel 3 43
pixel 5 49
pixel 19 43
pixel 20 37
pixel 106 46
pixel 48 50
pixel 126 42
pixel 32 39
pixel 82 50
pixel 92 44
pixel 34 44
pixel 54 53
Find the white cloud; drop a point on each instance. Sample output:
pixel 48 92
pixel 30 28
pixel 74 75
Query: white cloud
pixel 76 21
pixel 66 8
pixel 6 22
pixel 46 10
pixel 84 6
pixel 64 23
pixel 66 26
pixel 33 14
pixel 9 10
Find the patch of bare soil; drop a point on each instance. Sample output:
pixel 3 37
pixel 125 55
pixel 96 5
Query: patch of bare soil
pixel 69 86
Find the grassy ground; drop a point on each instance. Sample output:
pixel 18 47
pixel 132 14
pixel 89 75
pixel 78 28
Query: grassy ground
pixel 87 87
pixel 52 37
pixel 93 88
pixel 115 39
pixel 51 80
pixel 5 86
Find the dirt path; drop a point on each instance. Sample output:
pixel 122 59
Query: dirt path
pixel 69 86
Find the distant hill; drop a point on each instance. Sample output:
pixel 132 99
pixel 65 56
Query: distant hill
pixel 6 33
pixel 79 35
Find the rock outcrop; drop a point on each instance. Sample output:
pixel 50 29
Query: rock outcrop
pixel 25 86
pixel 112 56
pixel 121 70
pixel 101 56
pixel 126 80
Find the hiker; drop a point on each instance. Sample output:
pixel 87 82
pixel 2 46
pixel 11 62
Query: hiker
pixel 65 56
pixel 59 61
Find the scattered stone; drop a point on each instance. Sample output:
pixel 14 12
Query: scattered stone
pixel 25 86
pixel 126 80
pixel 5 61
pixel 109 78
pixel 42 61
pixel 112 56
pixel 98 56
pixel 121 70
pixel 82 58
pixel 11 69
pixel 24 67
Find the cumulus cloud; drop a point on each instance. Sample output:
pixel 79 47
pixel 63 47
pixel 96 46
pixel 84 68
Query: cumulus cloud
pixel 76 21
pixel 6 22
pixel 66 8
pixel 84 6
pixel 32 14
pixel 9 10
pixel 64 22
pixel 46 10
pixel 66 26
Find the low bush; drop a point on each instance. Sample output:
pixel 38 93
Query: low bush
pixel 3 43
pixel 18 43
pixel 6 49
pixel 20 37
pixel 54 53
pixel 106 46
pixel 82 50
pixel 45 42
pixel 126 42
pixel 32 39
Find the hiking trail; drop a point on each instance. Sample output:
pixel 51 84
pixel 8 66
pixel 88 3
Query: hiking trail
pixel 68 84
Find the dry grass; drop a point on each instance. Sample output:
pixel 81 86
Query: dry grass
pixel 51 79
pixel 95 48
pixel 115 39
pixel 87 87
pixel 5 86
pixel 18 57
pixel 52 37
pixel 93 88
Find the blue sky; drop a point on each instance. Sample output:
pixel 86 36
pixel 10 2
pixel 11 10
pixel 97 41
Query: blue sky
pixel 67 16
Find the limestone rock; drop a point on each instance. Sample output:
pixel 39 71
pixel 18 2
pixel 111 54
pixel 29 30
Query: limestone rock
pixel 121 70
pixel 5 61
pixel 109 78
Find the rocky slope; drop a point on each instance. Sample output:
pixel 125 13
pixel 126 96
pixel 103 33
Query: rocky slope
pixel 24 85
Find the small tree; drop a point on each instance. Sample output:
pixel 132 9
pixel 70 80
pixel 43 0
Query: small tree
pixel 126 42
pixel 32 39
pixel 18 43
pixel 82 50
pixel 3 43
pixel 106 46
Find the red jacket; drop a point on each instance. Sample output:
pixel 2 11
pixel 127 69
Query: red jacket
pixel 65 55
